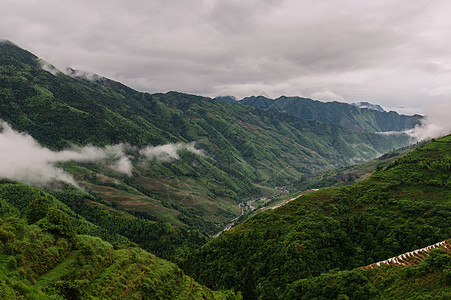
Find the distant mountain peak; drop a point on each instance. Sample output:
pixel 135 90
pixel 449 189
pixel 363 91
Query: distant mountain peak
pixel 369 106
pixel 259 97
pixel 230 99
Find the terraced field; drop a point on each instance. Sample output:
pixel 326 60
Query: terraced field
pixel 413 257
pixel 164 198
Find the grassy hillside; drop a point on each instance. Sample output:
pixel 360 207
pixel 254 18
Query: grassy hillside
pixel 404 206
pixel 248 152
pixel 351 174
pixel 47 260
pixel 50 250
pixel 334 178
pixel 95 217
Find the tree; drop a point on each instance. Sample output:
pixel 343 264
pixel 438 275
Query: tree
pixel 37 209
pixel 249 292
pixel 58 223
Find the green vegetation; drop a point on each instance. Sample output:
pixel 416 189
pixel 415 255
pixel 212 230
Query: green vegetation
pixel 337 177
pixel 428 280
pixel 94 218
pixel 66 243
pixel 351 174
pixel 46 260
pixel 402 207
pixel 46 252
pixel 248 151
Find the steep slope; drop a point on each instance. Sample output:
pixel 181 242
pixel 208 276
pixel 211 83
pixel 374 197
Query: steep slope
pixel 347 115
pixel 49 251
pixel 351 174
pixel 46 260
pixel 404 206
pixel 94 217
pixel 247 151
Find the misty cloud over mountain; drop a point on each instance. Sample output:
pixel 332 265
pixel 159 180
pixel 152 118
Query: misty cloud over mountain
pixel 169 152
pixel 436 123
pixel 25 160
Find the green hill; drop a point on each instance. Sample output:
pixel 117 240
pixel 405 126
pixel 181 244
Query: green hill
pixel 47 251
pixel 65 242
pixel 248 151
pixel 402 207
pixel 93 216
pixel 46 260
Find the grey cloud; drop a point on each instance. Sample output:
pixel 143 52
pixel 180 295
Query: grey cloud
pixel 379 51
pixel 436 123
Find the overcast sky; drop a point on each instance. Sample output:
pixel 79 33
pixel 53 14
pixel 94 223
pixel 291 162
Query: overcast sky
pixel 394 53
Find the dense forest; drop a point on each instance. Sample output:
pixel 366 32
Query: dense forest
pixel 403 206
pixel 113 225
pixel 44 256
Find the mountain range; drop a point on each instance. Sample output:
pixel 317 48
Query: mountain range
pixel 247 151
pixel 361 116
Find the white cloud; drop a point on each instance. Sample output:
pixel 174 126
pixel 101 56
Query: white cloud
pixel 327 96
pixel 48 67
pixel 23 159
pixel 169 152
pixel 444 90
pixel 436 123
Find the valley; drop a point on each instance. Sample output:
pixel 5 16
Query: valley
pixel 402 207
pixel 247 152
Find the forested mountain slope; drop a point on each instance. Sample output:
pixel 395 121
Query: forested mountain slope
pixel 43 255
pixel 351 174
pixel 404 206
pixel 343 114
pixel 96 217
pixel 247 151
